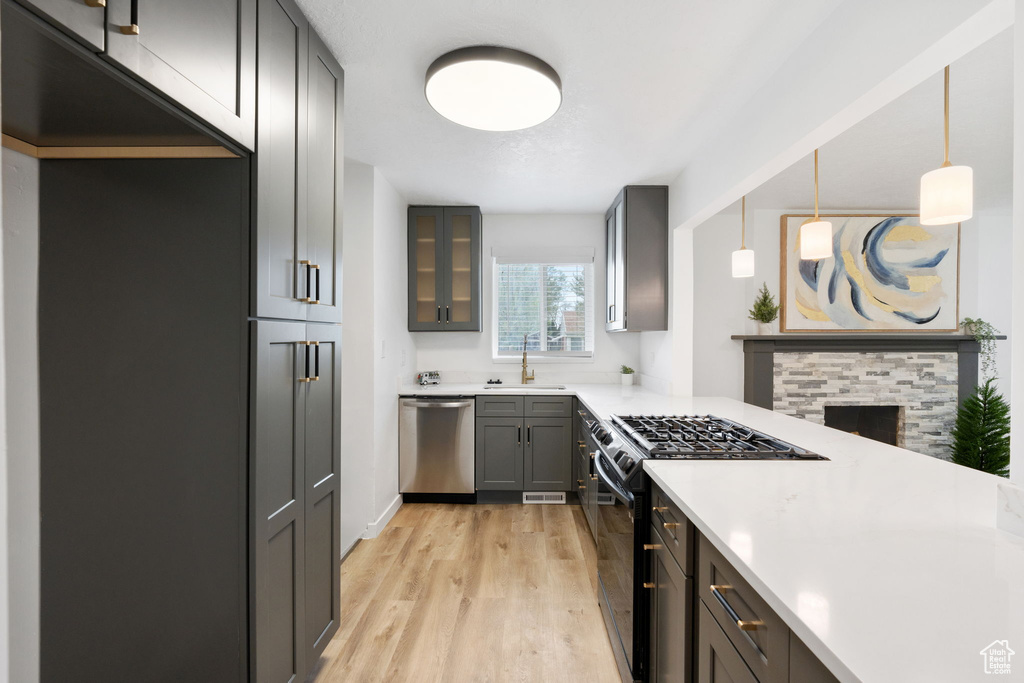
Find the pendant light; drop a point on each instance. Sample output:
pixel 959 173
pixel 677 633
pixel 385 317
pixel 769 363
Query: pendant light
pixel 493 88
pixel 743 260
pixel 947 193
pixel 815 235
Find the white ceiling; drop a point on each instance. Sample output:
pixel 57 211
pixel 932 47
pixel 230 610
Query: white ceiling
pixel 643 84
pixel 878 163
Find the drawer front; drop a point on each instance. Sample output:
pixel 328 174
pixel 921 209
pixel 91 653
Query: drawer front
pixel 671 616
pixel 548 406
pixel 675 528
pixel 757 632
pixel 499 406
pixel 717 659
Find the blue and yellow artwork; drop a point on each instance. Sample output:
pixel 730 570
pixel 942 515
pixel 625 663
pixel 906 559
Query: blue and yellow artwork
pixel 885 273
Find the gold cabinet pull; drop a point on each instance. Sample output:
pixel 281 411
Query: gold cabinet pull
pixel 593 477
pixel 670 525
pixel 581 443
pixel 309 298
pixel 653 546
pixel 720 589
pixel 96 3
pixel 130 30
pixel 593 455
pixel 579 481
pixel 659 509
pixel 648 584
pixel 749 625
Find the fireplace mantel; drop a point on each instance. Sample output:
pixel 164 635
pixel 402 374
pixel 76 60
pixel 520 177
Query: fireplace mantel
pixel 759 352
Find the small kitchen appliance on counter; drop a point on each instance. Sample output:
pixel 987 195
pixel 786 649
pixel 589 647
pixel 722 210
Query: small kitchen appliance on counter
pixel 428 377
pixel 618 450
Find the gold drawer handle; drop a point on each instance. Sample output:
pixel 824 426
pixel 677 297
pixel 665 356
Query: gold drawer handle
pixel 659 509
pixel 593 477
pixel 749 625
pixel 648 584
pixel 670 525
pixel 720 589
pixel 580 481
pixel 581 443
pixel 131 30
pixel 96 3
pixel 653 546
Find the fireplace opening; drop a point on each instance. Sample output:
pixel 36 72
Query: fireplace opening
pixel 881 423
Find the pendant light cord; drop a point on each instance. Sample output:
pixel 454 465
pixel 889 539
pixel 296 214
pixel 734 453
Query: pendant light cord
pixel 946 119
pixel 743 223
pixel 815 185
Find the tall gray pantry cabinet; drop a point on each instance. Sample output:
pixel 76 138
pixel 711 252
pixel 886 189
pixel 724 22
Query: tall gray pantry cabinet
pixel 189 333
pixel 295 414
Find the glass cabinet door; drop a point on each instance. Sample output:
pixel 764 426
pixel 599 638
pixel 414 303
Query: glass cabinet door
pixel 462 268
pixel 426 277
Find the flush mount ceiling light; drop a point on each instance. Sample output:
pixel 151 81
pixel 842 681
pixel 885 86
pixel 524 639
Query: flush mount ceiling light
pixel 815 235
pixel 743 260
pixel 493 88
pixel 947 193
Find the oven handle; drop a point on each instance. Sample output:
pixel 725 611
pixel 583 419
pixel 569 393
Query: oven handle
pixel 626 499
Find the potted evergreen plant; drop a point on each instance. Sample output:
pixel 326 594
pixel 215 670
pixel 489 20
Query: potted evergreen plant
pixel 765 310
pixel 627 375
pixel 981 436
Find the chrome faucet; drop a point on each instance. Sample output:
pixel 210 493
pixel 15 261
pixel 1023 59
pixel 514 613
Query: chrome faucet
pixel 526 377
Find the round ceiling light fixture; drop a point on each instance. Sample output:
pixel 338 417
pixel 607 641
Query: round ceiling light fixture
pixel 493 88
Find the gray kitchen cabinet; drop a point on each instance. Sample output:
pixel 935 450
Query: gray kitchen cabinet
pixel 717 659
pixel 547 406
pixel 499 453
pixel 444 269
pixel 499 406
pixel 636 281
pixel 547 455
pixel 297 172
pixel 201 54
pixel 84 20
pixel 671 614
pixel 294 470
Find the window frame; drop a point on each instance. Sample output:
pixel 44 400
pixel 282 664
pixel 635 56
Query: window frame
pixel 590 279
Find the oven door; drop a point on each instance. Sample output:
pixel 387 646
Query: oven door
pixel 615 559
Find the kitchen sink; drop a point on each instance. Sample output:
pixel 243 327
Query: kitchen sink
pixel 524 387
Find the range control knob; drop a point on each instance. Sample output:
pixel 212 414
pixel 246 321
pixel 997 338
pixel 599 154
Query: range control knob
pixel 600 433
pixel 607 438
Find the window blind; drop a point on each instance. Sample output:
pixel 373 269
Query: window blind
pixel 550 304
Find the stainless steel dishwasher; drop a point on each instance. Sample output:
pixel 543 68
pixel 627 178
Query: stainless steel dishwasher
pixel 436 445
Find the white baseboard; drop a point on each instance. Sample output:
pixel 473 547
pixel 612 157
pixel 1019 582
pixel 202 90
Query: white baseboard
pixel 373 529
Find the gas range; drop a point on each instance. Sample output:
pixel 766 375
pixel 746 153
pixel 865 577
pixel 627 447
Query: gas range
pixel 704 437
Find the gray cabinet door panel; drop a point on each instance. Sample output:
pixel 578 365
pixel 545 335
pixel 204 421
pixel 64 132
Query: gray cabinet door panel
pixel 499 454
pixel 322 478
pixel 548 406
pixel 547 455
pixel 717 659
pixel 278 491
pixel 199 53
pixel 462 250
pixel 671 610
pixel 499 406
pixel 324 179
pixel 280 281
pixel 74 17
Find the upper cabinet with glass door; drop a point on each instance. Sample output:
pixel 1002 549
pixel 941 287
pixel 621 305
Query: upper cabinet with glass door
pixel 444 269
pixel 636 271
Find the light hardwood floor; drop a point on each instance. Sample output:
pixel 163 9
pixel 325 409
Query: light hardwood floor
pixel 472 593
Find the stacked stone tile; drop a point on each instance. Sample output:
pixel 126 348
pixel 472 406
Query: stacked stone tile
pixel 924 385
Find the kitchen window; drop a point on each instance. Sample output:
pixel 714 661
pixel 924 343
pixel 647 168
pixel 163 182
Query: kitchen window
pixel 550 303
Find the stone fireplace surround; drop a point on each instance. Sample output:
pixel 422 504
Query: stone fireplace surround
pixel 926 375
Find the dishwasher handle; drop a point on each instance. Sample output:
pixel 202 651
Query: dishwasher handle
pixel 437 404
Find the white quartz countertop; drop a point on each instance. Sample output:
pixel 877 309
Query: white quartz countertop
pixel 886 563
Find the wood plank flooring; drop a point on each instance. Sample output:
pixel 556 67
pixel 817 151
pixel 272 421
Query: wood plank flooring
pixel 472 593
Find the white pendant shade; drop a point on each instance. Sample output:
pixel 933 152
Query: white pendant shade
pixel 493 88
pixel 816 240
pixel 947 195
pixel 743 263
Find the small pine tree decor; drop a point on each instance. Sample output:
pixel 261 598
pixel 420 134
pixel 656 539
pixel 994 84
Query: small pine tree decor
pixel 765 309
pixel 981 437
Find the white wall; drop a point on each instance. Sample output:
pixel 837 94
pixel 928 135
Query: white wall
pixel 468 357
pixel 393 345
pixel 721 302
pixel 21 370
pixel 376 350
pixel 357 471
pixel 666 358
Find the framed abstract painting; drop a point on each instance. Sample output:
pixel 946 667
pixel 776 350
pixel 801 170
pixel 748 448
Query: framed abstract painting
pixel 886 274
